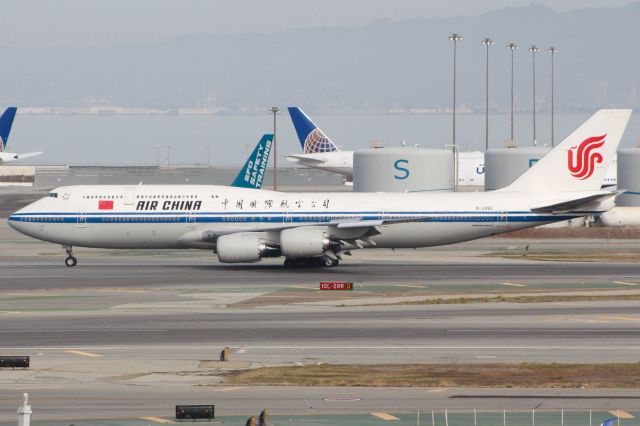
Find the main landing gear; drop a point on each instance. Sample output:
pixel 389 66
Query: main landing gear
pixel 70 260
pixel 310 262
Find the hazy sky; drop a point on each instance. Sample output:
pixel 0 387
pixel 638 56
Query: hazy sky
pixel 37 23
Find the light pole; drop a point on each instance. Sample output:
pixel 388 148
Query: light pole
pixel 487 42
pixel 275 111
pixel 512 48
pixel 455 38
pixel 208 156
pixel 168 155
pixel 157 155
pixel 553 52
pixel 534 50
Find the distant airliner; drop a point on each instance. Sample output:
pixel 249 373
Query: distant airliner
pixel 245 225
pixel 6 121
pixel 319 152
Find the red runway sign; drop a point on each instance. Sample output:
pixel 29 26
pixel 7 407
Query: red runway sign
pixel 336 285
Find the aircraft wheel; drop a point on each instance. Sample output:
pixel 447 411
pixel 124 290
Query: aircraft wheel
pixel 330 262
pixel 289 262
pixel 71 261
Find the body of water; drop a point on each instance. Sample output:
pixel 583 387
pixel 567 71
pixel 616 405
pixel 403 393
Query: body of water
pixel 132 140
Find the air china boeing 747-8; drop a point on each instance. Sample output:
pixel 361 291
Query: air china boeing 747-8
pixel 245 225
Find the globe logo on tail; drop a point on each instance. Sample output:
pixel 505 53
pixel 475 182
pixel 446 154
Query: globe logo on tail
pixel 583 158
pixel 316 142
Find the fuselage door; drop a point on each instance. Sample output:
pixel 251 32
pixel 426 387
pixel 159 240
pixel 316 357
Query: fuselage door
pixel 503 219
pixel 287 217
pixel 129 195
pixel 190 220
pixel 82 221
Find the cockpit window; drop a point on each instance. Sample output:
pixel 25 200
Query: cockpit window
pixel 52 194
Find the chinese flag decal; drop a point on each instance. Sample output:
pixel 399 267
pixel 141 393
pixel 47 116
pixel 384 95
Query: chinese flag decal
pixel 105 205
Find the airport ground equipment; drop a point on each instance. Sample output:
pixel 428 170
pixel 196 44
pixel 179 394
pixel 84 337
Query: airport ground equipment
pixel 14 362
pixel 195 412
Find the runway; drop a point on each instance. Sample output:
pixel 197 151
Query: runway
pixel 137 332
pixel 162 271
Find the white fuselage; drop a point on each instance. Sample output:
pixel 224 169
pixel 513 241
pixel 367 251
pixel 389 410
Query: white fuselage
pixel 181 216
pixel 338 162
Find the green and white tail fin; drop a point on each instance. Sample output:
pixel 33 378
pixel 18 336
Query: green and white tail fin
pixel 581 161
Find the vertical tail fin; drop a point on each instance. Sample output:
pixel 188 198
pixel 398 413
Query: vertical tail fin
pixel 252 173
pixel 312 138
pixel 581 161
pixel 6 121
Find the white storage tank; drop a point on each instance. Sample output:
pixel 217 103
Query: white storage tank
pixel 402 170
pixel 629 177
pixel 504 165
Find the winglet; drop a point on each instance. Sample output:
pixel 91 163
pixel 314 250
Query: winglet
pixel 252 174
pixel 312 138
pixel 6 121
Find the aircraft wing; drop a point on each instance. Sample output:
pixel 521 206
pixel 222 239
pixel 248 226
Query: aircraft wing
pixel 562 206
pixel 345 230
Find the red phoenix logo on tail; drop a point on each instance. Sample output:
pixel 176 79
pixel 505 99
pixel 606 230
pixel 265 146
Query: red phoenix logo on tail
pixel 584 163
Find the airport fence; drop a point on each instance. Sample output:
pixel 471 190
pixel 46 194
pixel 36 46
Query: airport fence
pixel 527 418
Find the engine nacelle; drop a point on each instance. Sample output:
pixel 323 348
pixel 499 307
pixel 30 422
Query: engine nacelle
pixel 306 242
pixel 244 247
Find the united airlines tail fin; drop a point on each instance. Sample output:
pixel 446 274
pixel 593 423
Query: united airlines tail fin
pixel 6 121
pixel 312 139
pixel 252 174
pixel 580 162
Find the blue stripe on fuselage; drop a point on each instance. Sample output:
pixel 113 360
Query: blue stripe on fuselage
pixel 327 218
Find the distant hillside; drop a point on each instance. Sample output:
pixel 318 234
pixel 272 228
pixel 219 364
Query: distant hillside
pixel 383 65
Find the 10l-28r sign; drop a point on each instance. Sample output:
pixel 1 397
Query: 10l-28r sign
pixel 336 285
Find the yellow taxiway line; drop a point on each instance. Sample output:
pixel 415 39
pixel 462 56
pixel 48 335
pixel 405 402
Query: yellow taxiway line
pixel 622 414
pixel 385 416
pixel 83 353
pixel 157 419
pixel 514 284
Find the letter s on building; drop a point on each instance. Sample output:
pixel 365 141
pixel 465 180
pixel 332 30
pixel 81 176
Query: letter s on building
pixel 404 172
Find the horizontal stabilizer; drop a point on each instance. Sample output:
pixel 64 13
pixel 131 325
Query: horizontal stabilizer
pixel 27 155
pixel 574 204
pixel 304 159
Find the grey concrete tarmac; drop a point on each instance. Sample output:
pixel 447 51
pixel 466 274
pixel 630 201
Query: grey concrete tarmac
pixel 132 334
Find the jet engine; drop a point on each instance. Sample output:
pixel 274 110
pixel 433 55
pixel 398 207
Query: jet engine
pixel 244 247
pixel 306 242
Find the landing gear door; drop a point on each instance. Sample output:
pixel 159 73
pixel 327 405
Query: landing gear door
pixel 503 220
pixel 129 195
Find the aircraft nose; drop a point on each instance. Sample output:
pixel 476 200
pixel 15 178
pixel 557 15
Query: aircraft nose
pixel 15 222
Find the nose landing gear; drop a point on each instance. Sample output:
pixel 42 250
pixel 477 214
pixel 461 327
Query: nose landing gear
pixel 70 260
